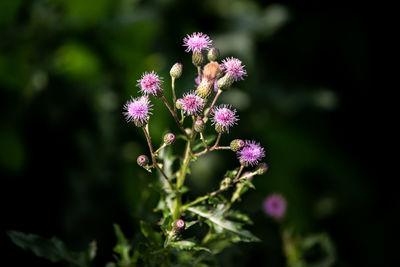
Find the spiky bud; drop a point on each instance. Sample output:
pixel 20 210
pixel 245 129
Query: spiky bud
pixel 199 126
pixel 169 139
pixel 225 82
pixel 262 168
pixel 142 160
pixel 176 71
pixel 237 144
pixel 179 103
pixel 205 88
pixel 198 59
pixel 213 54
pixel 178 226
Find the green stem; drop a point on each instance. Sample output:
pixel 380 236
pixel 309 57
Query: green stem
pixel 173 93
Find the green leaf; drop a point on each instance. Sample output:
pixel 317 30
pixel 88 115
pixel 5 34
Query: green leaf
pixel 232 173
pixel 52 249
pixel 249 184
pixel 122 248
pixel 187 245
pixel 151 235
pixel 217 220
pixel 235 214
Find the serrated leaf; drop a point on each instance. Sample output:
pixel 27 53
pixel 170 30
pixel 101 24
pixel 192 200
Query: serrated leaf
pixel 234 214
pixel 52 249
pixel 220 223
pixel 151 235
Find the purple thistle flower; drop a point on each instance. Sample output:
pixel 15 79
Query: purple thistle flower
pixel 224 117
pixel 150 83
pixel 192 104
pixel 234 68
pixel 197 42
pixel 138 110
pixel 251 153
pixel 275 206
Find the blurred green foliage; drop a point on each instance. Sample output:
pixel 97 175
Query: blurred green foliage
pixel 68 157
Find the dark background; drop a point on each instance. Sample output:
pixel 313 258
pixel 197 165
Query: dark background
pixel 67 157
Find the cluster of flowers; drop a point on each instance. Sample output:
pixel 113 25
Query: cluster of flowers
pixel 215 77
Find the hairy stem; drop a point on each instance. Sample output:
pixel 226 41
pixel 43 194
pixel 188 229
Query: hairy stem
pixel 174 115
pixel 212 105
pixel 153 156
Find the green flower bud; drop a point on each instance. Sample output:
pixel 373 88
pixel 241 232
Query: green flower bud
pixel 205 88
pixel 169 139
pixel 213 54
pixel 199 126
pixel 176 70
pixel 198 59
pixel 237 145
pixel 142 160
pixel 225 82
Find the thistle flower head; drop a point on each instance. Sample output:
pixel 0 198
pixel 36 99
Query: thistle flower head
pixel 237 145
pixel 138 110
pixel 224 117
pixel 234 68
pixel 275 206
pixel 142 160
pixel 150 84
pixel 176 70
pixel 169 139
pixel 197 42
pixel 192 104
pixel 251 153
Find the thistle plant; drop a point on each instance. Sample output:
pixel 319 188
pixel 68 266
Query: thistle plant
pixel 195 113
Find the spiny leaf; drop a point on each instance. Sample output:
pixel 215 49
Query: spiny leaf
pixel 220 223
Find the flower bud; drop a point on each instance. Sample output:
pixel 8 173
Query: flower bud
pixel 169 139
pixel 179 103
pixel 219 128
pixel 188 131
pixel 178 226
pixel 213 54
pixel 262 168
pixel 142 160
pixel 225 82
pixel 237 144
pixel 205 88
pixel 176 71
pixel 199 126
pixel 198 59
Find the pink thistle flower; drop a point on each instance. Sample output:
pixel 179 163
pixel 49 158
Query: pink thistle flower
pixel 234 68
pixel 251 153
pixel 275 206
pixel 192 104
pixel 138 110
pixel 224 117
pixel 150 83
pixel 197 42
